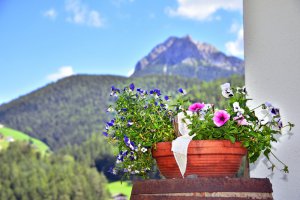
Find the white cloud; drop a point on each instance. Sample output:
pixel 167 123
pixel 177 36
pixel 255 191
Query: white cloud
pixel 62 72
pixel 236 48
pixel 51 14
pixel 235 27
pixel 82 14
pixel 203 9
pixel 130 72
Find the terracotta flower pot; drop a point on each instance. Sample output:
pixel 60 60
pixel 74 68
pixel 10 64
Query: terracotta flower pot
pixel 206 158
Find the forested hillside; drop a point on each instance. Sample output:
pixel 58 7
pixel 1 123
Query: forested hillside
pixel 26 175
pixel 72 109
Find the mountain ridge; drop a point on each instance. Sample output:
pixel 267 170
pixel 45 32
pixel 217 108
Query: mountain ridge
pixel 70 110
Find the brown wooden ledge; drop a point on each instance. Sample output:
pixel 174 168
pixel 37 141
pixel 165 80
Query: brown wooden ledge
pixel 202 188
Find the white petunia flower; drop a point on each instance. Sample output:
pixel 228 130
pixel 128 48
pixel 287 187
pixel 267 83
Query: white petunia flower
pixel 242 90
pixel 143 150
pixel 226 90
pixel 110 109
pixel 166 106
pixel 237 108
pixel 207 107
pixel 263 116
pixel 273 111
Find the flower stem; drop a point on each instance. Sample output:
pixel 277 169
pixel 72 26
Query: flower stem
pixel 256 107
pixel 277 158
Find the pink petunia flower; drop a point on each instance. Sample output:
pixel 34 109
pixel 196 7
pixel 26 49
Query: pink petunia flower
pixel 196 107
pixel 220 118
pixel 241 120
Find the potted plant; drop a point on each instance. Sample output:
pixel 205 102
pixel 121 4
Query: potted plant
pixel 142 127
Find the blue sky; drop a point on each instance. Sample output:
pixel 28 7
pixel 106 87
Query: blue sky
pixel 44 40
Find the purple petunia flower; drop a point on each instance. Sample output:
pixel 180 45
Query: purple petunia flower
pixel 126 140
pixel 167 98
pixel 129 143
pixel 157 91
pixel 220 118
pixel 131 86
pixel 112 170
pixel 120 158
pixel 111 123
pixel 132 157
pixel 132 145
pixel 142 92
pixel 105 134
pixel 114 91
pixel 275 111
pixel 279 123
pixel 182 91
pixel 124 153
pixel 196 107
pixel 129 123
pixel 268 104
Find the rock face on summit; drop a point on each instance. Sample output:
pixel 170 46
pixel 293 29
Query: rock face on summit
pixel 188 58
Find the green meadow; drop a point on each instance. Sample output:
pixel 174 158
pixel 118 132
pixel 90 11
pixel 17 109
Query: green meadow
pixel 118 187
pixel 19 136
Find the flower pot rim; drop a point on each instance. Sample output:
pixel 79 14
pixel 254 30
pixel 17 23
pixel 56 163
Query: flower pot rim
pixel 193 141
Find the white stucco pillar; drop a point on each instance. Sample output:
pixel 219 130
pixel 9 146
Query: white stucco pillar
pixel 272 60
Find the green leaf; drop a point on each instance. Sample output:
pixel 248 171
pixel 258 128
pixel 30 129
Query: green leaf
pixel 232 139
pixel 246 144
pixel 267 152
pixel 286 169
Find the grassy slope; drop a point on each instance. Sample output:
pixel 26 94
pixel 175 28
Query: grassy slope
pixel 17 135
pixel 118 187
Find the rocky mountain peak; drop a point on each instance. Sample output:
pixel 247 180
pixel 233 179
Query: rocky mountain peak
pixel 179 54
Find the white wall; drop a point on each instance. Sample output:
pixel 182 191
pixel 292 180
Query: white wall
pixel 272 57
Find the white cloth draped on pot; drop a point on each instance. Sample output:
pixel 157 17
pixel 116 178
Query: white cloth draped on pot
pixel 180 144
